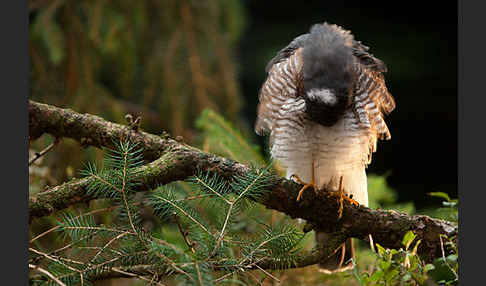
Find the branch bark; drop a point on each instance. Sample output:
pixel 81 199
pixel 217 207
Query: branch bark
pixel 177 161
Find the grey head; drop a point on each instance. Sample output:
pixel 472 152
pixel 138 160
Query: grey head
pixel 328 73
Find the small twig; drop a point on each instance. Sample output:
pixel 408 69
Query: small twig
pixel 43 152
pixel 42 270
pixel 58 260
pixel 372 244
pixel 73 243
pixel 85 214
pixel 185 213
pixel 133 124
pixel 124 181
pixel 211 189
pixel 223 229
pixel 184 233
pixel 254 278
pixel 108 244
pixel 258 247
pixel 445 260
pixel 136 276
pixel 194 197
pixel 268 273
pixel 223 277
pixel 44 233
pixel 199 278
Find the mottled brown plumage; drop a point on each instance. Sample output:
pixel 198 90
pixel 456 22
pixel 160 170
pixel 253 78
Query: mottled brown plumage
pixel 323 105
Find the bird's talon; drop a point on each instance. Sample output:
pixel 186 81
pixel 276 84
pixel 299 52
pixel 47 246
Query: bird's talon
pixel 306 185
pixel 303 189
pixel 297 179
pixel 350 200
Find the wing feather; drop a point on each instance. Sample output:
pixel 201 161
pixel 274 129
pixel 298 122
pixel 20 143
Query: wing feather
pixel 283 82
pixel 372 100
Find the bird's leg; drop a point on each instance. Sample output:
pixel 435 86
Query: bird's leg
pixel 343 197
pixel 306 185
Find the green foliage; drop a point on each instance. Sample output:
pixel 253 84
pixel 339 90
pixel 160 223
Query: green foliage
pixel 220 137
pixel 397 267
pixel 448 210
pixel 78 227
pixel 404 266
pixel 447 266
pixel 381 196
pixel 165 61
pixel 168 58
pixel 188 243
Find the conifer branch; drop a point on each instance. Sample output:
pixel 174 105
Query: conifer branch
pixel 184 233
pixel 178 161
pixel 186 214
pixel 124 191
pixel 42 270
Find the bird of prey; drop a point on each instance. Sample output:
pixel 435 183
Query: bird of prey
pixel 323 105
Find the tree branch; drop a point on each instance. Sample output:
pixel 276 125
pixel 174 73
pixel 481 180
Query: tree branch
pixel 89 130
pixel 178 161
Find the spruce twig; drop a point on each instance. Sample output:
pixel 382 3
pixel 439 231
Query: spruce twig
pixel 44 151
pixel 42 270
pixel 184 233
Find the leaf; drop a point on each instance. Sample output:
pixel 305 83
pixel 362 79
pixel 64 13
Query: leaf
pixel 452 257
pixel 381 250
pixel 364 279
pixel 390 275
pixel 385 264
pixel 449 204
pixel 408 238
pixel 428 267
pixel 377 276
pixel 440 195
pixel 414 252
pixel 406 277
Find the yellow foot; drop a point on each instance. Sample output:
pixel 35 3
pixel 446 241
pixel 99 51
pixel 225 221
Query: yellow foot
pixel 306 185
pixel 342 196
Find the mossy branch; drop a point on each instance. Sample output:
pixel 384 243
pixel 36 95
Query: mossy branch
pixel 174 161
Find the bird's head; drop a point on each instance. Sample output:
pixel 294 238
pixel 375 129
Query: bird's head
pixel 328 74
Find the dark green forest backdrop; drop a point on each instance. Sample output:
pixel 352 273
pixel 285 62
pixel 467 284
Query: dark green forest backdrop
pixel 169 60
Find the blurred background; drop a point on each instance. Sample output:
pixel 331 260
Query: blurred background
pixel 169 60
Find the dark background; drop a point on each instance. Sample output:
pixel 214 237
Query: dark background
pixel 417 41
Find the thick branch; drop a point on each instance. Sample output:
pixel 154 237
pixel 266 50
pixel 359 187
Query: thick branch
pixel 179 161
pixel 89 129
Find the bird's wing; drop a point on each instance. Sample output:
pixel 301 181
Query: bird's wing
pixel 286 52
pixel 371 97
pixel 279 100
